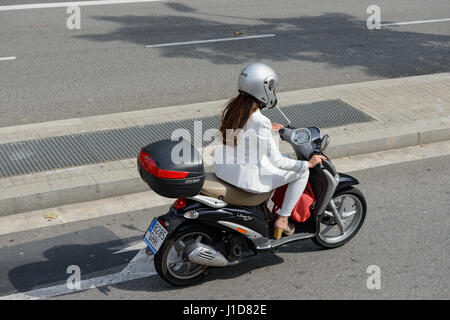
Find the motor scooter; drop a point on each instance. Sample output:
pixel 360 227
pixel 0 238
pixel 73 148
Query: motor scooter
pixel 222 225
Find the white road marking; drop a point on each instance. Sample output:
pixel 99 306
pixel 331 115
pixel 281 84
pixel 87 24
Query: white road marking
pixel 134 247
pixel 8 58
pixel 140 267
pixel 413 22
pixel 70 4
pixel 208 41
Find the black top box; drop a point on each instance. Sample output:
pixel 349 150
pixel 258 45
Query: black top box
pixel 173 169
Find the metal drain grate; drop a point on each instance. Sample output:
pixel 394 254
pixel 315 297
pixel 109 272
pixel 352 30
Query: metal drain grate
pixel 95 147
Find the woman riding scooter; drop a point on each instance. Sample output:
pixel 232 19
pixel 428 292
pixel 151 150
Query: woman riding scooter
pixel 257 165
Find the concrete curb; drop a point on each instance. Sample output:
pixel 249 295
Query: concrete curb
pixel 346 92
pixel 70 190
pixel 386 139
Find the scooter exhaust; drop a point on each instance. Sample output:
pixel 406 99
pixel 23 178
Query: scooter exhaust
pixel 204 254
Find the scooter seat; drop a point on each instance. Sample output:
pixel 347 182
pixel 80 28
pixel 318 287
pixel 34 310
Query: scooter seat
pixel 219 189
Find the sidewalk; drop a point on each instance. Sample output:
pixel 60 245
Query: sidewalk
pixel 409 111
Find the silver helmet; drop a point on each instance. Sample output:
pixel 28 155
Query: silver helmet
pixel 259 81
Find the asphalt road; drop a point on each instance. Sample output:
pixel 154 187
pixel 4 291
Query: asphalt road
pixel 406 234
pixel 105 67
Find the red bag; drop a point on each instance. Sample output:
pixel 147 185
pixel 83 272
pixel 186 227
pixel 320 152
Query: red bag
pixel 302 209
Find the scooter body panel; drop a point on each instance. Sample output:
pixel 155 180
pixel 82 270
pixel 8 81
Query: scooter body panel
pixel 346 181
pixel 249 217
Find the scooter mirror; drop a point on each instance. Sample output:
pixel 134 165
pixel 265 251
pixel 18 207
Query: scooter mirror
pixel 325 142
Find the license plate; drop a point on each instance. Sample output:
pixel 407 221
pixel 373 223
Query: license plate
pixel 155 236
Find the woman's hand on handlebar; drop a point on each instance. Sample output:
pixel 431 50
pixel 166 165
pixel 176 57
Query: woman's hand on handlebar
pixel 315 160
pixel 277 126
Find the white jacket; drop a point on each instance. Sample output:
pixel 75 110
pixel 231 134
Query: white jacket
pixel 256 167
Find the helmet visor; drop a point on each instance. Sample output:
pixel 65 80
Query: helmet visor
pixel 270 87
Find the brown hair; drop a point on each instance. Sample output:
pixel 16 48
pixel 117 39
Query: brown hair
pixel 236 114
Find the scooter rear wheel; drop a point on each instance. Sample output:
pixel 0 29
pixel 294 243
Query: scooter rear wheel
pixel 170 263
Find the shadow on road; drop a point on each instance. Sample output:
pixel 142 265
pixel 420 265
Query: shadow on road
pixel 48 263
pixel 50 258
pixel 248 266
pixel 338 40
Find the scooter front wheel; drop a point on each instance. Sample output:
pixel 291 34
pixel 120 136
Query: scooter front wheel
pixel 171 263
pixel 351 206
